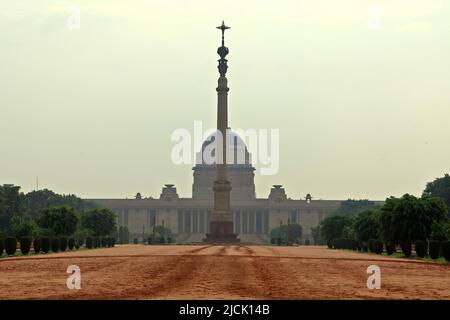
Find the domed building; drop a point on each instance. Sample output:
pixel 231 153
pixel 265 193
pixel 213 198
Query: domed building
pixel 189 218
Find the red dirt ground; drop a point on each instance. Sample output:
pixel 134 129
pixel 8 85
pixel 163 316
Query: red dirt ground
pixel 220 272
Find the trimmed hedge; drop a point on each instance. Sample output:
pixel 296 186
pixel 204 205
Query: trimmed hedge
pixel 10 246
pixel 406 248
pixel 25 245
pixel 63 243
pixel 390 248
pixel 434 248
pixel 54 244
pixel 45 244
pixel 37 245
pixel 89 243
pixel 71 244
pixel 2 246
pixel 421 248
pixel 445 246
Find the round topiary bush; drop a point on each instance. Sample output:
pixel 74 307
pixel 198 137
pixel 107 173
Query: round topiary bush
pixel 10 246
pixel 406 248
pixel 330 244
pixel 96 241
pixel 25 245
pixel 445 245
pixel 371 245
pixel 421 248
pixel 390 248
pixel 378 246
pixel 2 246
pixel 71 243
pixel 89 242
pixel 63 242
pixel 79 243
pixel 37 245
pixel 364 247
pixel 434 248
pixel 45 244
pixel 54 244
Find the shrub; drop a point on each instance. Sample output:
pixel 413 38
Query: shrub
pixel 435 248
pixel 372 245
pixel 135 241
pixel 150 240
pixel 307 242
pixel 390 248
pixel 79 243
pixel 25 245
pixel 63 243
pixel 279 241
pixel 96 242
pixel 105 242
pixel 89 242
pixel 10 246
pixel 71 243
pixel 169 240
pixel 446 250
pixel 2 246
pixel 54 244
pixel 378 246
pixel 272 241
pixel 37 245
pixel 330 244
pixel 161 240
pixel 45 244
pixel 406 248
pixel 421 248
pixel 364 247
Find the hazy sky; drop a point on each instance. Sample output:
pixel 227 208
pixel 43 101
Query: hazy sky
pixel 363 109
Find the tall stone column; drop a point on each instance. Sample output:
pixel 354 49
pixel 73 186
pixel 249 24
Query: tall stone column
pixel 221 226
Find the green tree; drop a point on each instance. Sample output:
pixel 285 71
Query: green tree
pixel 333 227
pixel 23 226
pixel 101 221
pixel 316 234
pixel 11 204
pixel 410 218
pixel 352 206
pixel 36 201
pixel 63 221
pixel 367 225
pixel 296 232
pixel 439 187
pixel 123 235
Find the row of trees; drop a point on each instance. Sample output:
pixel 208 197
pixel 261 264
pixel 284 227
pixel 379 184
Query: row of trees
pixel 286 234
pixel 45 214
pixel 403 220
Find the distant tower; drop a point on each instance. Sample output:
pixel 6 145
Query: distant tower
pixel 221 227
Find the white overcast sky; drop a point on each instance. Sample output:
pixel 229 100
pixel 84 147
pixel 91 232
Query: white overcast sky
pixel 363 112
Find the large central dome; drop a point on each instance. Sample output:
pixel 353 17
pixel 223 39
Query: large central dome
pixel 237 153
pixel 240 169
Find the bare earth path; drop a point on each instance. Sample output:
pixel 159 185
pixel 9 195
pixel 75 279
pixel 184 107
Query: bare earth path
pixel 220 272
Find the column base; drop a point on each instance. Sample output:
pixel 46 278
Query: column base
pixel 221 232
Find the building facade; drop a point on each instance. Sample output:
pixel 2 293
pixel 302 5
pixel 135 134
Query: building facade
pixel 189 218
